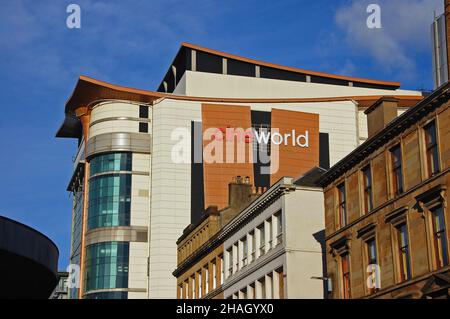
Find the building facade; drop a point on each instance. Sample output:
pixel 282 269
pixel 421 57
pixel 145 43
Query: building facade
pixel 386 211
pixel 271 249
pixel 274 250
pixel 200 266
pixel 133 193
pixel 62 288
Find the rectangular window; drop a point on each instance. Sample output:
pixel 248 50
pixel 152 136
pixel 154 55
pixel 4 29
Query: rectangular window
pixel 206 276
pixel 236 257
pixel 143 111
pixel 199 284
pixel 432 151
pixel 279 233
pixel 214 275
pixel 345 271
pixel 403 252
pixel 143 127
pixel 397 174
pixel 262 239
pixel 372 259
pixel 372 252
pixel 186 290
pixel 253 243
pixel 244 250
pixel 222 269
pixel 193 288
pixel 367 176
pixel 342 205
pixel 439 236
pixel 106 265
pixel 270 226
pixel 230 261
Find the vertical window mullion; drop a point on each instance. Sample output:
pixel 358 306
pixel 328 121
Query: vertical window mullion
pixel 342 205
pixel 432 149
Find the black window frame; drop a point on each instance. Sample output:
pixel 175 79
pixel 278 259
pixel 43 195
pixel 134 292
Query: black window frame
pixel 342 204
pixel 368 186
pixel 143 111
pixel 397 169
pixel 345 276
pixel 431 149
pixel 143 127
pixel 440 237
pixel 404 252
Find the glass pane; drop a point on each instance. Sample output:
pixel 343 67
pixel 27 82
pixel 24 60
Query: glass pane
pixel 106 192
pixel 102 262
pixel 110 162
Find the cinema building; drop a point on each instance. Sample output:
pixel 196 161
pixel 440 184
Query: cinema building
pixel 132 197
pixel 386 205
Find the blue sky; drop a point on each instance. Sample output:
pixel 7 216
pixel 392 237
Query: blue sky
pixel 132 43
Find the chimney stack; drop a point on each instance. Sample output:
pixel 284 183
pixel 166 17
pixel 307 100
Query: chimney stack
pixel 381 113
pixel 239 191
pixel 240 194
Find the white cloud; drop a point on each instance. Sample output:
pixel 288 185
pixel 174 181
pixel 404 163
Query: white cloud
pixel 38 45
pixel 405 30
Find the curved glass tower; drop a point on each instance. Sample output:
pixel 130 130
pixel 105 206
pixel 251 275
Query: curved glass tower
pixel 111 190
pixel 109 205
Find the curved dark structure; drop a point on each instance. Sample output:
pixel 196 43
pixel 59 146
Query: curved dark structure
pixel 28 262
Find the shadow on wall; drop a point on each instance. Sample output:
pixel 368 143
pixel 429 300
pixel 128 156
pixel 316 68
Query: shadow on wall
pixel 320 238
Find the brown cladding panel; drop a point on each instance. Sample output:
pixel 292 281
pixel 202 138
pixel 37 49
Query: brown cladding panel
pixel 218 175
pixel 294 160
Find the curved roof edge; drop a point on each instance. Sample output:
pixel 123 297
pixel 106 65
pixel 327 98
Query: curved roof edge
pixel 89 91
pixel 24 240
pixel 292 69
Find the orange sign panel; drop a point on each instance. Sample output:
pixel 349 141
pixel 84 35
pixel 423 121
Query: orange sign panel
pixel 294 138
pixel 294 156
pixel 217 175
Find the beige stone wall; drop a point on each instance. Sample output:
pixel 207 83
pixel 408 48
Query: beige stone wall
pixel 417 217
pixel 444 130
pixel 198 266
pixel 353 197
